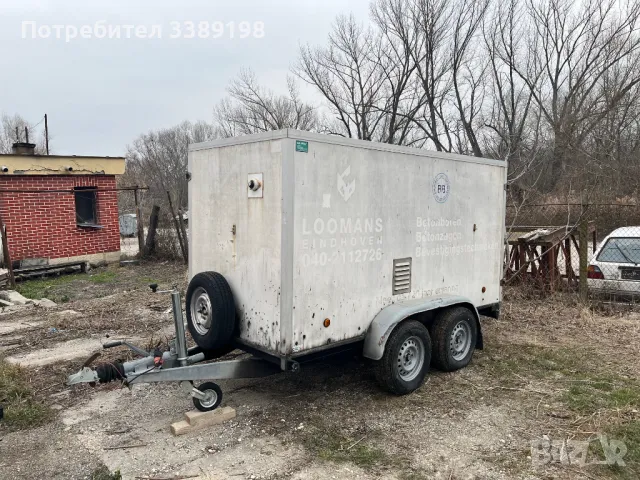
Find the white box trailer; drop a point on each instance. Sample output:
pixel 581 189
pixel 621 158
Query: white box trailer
pixel 318 235
pixel 300 242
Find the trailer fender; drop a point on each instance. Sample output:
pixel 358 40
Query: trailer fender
pixel 390 316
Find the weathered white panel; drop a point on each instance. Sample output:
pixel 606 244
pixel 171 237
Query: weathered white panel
pixel 249 258
pixel 357 209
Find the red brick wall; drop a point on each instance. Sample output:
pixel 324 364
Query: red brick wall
pixel 43 225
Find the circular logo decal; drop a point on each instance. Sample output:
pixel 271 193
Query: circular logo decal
pixel 441 188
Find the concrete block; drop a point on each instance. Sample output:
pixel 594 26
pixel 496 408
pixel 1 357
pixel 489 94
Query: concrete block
pixel 13 297
pixel 180 428
pixel 45 303
pixel 33 262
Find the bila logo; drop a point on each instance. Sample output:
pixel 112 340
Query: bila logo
pixel 346 189
pixel 441 188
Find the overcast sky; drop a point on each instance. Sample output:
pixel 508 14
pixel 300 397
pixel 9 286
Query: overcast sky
pixel 100 94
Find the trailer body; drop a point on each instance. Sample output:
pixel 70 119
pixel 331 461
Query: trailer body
pixel 317 234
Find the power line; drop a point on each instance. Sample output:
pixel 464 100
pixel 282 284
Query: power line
pixel 34 126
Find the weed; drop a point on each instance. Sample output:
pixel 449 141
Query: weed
pixel 21 410
pixel 412 475
pixel 103 473
pixel 588 397
pixel 37 289
pixel 629 434
pixel 330 444
pixel 106 276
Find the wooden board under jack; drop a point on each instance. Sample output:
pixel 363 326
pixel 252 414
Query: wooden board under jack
pixel 195 420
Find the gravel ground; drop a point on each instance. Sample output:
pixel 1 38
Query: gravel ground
pixel 331 420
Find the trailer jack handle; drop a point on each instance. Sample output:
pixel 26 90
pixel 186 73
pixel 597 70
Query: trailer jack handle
pixel 117 343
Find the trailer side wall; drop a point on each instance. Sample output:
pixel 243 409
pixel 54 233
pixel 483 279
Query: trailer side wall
pixel 359 209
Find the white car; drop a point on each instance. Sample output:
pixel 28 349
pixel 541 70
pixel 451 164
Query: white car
pixel 615 267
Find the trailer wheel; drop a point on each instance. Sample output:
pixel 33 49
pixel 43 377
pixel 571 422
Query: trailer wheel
pixel 211 311
pixel 406 358
pixel 213 397
pixel 454 333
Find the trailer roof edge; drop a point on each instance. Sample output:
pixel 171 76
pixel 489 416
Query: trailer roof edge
pixel 343 141
pixel 242 139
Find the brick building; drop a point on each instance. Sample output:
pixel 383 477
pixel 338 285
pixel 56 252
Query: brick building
pixel 58 209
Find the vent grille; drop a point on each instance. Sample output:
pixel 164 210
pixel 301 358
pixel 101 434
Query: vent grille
pixel 401 276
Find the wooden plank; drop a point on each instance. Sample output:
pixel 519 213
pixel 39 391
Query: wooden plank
pixel 139 224
pixel 215 417
pixel 196 420
pixel 46 268
pixel 522 256
pixel 6 256
pixel 551 267
pixel 533 254
pixel 568 268
pixel 151 234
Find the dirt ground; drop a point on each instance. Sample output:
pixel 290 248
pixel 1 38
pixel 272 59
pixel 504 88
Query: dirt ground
pixel 552 371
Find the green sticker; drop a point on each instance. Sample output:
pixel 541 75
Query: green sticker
pixel 302 146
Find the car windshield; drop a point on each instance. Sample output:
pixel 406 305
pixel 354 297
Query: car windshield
pixel 621 250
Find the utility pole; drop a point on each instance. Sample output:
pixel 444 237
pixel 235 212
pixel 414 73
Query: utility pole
pixel 46 133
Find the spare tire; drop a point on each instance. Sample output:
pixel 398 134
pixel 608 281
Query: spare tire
pixel 211 311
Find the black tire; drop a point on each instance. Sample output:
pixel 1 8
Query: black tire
pixel 209 296
pixel 214 392
pixel 447 330
pixel 389 369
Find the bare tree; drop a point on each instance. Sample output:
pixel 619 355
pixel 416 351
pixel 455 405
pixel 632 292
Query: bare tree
pixel 511 105
pixel 512 125
pixel 432 19
pixel 468 68
pixel 349 77
pixel 12 129
pixel 576 46
pixel 251 108
pixel 551 86
pixel 159 160
pixel 403 98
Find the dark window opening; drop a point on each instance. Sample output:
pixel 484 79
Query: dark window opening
pixel 86 206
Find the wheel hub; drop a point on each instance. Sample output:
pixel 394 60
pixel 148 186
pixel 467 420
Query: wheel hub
pixel 210 398
pixel 201 311
pixel 410 358
pixel 460 342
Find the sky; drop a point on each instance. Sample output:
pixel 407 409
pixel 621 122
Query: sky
pixel 101 93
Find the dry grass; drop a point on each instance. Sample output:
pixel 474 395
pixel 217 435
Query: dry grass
pixel 558 368
pixel 580 363
pixel 20 399
pixel 552 366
